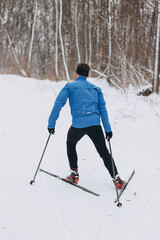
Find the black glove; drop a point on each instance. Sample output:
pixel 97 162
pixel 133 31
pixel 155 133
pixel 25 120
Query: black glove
pixel 51 130
pixel 109 135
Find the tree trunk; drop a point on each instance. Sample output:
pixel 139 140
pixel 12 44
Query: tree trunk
pixel 110 38
pixel 157 62
pixel 61 40
pixel 56 39
pixel 90 34
pixel 76 30
pixel 32 39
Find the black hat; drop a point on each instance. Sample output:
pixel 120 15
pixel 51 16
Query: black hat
pixel 83 69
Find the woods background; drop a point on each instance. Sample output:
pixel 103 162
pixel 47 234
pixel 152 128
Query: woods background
pixel 47 39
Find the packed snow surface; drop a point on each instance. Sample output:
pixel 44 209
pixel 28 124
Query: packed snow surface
pixel 54 210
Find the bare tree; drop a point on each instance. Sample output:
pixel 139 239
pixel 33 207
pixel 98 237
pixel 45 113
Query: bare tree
pixel 157 53
pixel 61 40
pixel 76 31
pixel 109 37
pixel 113 36
pixel 12 46
pixel 32 39
pixel 56 41
pixel 90 33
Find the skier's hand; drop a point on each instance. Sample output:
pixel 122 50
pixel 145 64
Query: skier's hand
pixel 109 135
pixel 51 130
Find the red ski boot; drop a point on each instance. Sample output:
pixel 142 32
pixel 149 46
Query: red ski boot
pixel 119 182
pixel 73 177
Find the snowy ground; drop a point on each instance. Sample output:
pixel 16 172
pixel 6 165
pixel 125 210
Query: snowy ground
pixel 55 210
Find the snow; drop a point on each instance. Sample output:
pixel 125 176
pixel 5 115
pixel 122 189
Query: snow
pixel 52 209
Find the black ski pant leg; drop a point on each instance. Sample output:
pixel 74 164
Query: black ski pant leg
pixel 99 141
pixel 73 136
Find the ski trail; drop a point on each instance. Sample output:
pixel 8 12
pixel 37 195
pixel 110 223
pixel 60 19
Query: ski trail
pixel 147 210
pixel 104 234
pixel 57 212
pixel 132 221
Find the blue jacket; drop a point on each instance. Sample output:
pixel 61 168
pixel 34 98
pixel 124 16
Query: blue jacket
pixel 86 102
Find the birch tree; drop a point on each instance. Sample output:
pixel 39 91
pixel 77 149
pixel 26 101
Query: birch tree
pixel 56 41
pixel 61 40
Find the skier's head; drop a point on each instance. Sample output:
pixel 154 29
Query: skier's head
pixel 83 69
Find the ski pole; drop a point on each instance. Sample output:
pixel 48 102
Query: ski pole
pixel 33 181
pixel 114 175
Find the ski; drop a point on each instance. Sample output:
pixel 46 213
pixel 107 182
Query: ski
pixel 73 184
pixel 121 192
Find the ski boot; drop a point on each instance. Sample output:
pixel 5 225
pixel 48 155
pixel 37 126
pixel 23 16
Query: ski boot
pixel 73 177
pixel 119 182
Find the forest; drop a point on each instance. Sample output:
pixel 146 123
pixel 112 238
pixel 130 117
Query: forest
pixel 46 39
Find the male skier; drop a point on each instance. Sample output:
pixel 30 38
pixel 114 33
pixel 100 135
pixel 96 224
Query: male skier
pixel 87 108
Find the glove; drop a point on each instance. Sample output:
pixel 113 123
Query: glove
pixel 109 135
pixel 51 130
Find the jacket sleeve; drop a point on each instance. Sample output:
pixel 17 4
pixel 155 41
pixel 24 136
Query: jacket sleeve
pixel 103 112
pixel 59 103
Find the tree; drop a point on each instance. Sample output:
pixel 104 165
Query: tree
pixel 116 37
pixel 56 41
pixel 61 40
pixel 109 38
pixel 76 31
pixel 32 39
pixel 157 53
pixel 12 46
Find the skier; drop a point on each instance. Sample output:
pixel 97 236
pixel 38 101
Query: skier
pixel 87 107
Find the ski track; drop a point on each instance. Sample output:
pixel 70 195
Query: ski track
pixel 142 204
pixel 52 209
pixel 58 214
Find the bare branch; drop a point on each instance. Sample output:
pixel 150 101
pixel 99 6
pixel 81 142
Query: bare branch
pixel 20 69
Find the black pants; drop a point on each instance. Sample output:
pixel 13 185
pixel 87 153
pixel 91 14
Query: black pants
pixel 95 133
